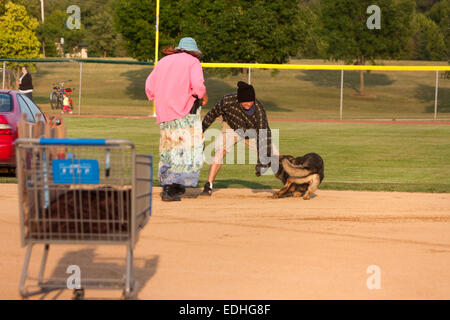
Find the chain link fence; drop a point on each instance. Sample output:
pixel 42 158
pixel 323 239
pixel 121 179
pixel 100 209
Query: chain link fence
pixel 305 90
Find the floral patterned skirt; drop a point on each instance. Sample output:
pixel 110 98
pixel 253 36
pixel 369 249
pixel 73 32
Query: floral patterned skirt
pixel 181 151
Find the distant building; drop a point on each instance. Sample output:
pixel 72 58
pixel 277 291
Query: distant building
pixel 80 51
pixel 83 46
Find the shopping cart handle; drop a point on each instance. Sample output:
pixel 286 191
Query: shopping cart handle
pixel 73 141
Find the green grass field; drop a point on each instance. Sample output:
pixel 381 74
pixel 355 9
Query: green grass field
pixel 303 94
pixel 357 156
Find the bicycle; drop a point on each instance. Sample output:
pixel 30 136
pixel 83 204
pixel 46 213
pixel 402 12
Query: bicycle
pixel 56 96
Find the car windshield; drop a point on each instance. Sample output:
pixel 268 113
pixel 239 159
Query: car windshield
pixel 6 104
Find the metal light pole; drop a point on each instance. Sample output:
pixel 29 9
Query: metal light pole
pixel 436 95
pixel 341 105
pixel 79 91
pixel 42 10
pixel 156 46
pixel 42 17
pixel 4 66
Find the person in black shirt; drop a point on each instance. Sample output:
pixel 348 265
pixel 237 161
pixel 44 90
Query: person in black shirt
pixel 26 84
pixel 242 114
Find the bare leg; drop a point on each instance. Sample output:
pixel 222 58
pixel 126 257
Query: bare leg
pixel 216 165
pixel 213 171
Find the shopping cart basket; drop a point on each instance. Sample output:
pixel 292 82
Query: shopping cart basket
pixel 82 191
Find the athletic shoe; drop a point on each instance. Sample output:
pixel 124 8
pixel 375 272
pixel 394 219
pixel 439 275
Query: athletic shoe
pixel 207 189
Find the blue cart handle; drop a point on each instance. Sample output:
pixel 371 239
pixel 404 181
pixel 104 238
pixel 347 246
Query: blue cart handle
pixel 69 141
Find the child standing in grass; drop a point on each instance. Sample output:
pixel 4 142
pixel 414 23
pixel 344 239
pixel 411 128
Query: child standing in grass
pixel 66 104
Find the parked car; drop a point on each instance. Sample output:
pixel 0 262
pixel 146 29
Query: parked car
pixel 12 105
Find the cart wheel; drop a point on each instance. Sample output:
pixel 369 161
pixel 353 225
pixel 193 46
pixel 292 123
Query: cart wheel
pixel 126 295
pixel 12 172
pixel 131 295
pixel 78 294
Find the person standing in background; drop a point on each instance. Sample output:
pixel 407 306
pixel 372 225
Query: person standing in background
pixel 177 86
pixel 26 83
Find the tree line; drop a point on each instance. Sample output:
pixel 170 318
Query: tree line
pixel 263 31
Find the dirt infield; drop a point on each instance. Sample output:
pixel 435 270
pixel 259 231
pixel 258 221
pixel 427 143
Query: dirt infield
pixel 241 244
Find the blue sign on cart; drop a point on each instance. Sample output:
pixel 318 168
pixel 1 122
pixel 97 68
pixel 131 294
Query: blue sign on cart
pixel 78 171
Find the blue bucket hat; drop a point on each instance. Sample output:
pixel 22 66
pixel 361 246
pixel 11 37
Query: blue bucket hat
pixel 188 44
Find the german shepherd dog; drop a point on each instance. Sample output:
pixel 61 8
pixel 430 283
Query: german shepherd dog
pixel 300 176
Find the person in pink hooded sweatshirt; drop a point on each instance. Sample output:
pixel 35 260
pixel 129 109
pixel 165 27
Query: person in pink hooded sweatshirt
pixel 177 86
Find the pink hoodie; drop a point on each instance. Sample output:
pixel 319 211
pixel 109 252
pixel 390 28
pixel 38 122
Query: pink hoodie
pixel 172 83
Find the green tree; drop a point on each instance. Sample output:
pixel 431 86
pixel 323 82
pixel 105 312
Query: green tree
pixel 54 28
pixel 17 36
pixel 425 5
pixel 428 40
pixel 97 27
pixel 103 40
pixel 350 39
pixel 135 20
pixel 50 32
pixel 312 44
pixel 243 31
pixel 32 7
pixel 440 14
pixel 226 30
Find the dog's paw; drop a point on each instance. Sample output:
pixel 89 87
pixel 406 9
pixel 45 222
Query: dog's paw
pixel 306 197
pixel 275 195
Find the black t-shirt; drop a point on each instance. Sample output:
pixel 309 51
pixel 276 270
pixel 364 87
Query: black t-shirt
pixel 26 83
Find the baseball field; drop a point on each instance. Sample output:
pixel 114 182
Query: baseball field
pixel 242 244
pixel 384 203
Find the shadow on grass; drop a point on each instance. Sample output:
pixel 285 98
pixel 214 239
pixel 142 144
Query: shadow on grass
pixel 427 94
pixel 331 78
pixel 41 99
pixel 42 71
pixel 271 106
pixel 103 268
pixel 217 88
pixel 136 88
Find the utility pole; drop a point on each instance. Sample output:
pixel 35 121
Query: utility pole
pixel 42 10
pixel 42 16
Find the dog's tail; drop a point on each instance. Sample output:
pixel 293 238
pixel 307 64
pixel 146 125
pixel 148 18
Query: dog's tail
pixel 295 170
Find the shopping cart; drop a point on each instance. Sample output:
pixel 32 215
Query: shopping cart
pixel 82 191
